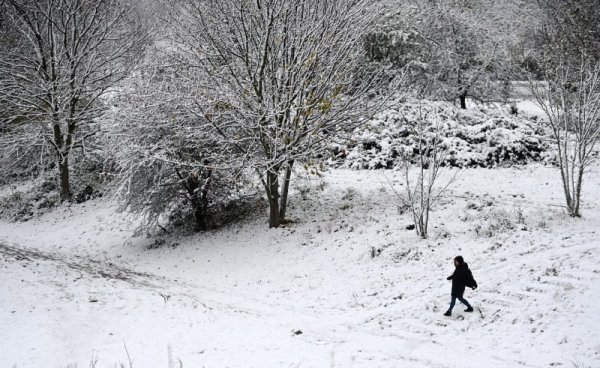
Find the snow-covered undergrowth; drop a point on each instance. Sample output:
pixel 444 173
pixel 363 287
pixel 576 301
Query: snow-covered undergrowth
pixel 22 200
pixel 344 285
pixel 482 137
pixel 27 200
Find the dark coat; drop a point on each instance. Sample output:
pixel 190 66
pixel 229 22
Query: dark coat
pixel 461 278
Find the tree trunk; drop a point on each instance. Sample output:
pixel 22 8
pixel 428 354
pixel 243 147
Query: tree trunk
pixel 197 197
pixel 463 100
pixel 285 190
pixel 63 162
pixel 200 223
pixel 565 177
pixel 577 194
pixel 422 227
pixel 273 195
pixel 202 204
pixel 63 172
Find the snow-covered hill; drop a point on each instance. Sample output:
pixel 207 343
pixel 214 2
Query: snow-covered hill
pixel 344 285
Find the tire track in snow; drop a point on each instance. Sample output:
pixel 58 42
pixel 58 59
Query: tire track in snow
pixel 89 266
pixel 163 286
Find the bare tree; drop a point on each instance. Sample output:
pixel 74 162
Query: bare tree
pixel 61 59
pixel 569 94
pixel 452 49
pixel 573 115
pixel 279 78
pixel 422 176
pixel 464 42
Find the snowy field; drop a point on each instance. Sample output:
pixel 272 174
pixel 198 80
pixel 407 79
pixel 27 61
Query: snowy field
pixel 79 290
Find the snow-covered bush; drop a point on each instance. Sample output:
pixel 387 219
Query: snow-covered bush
pixel 32 187
pixel 29 201
pixel 172 168
pixel 485 137
pixel 493 221
pixel 173 192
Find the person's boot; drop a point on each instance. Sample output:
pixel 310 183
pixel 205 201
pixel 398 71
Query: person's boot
pixel 448 314
pixel 470 309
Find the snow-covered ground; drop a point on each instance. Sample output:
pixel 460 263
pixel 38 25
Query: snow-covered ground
pixel 76 286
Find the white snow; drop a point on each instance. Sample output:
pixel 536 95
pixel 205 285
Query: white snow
pixel 76 285
pixel 530 108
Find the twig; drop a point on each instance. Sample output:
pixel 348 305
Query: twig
pixel 128 357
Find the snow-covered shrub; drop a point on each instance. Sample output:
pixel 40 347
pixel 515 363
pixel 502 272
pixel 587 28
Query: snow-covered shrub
pixel 168 192
pixel 173 170
pixel 25 157
pixel 30 201
pixel 441 232
pixel 32 175
pixel 349 198
pixel 483 137
pixel 496 221
pixel 309 181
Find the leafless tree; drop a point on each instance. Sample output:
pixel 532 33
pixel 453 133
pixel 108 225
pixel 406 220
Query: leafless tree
pixel 465 46
pixel 422 187
pixel 62 57
pixel 573 115
pixel 452 49
pixel 279 78
pixel 569 94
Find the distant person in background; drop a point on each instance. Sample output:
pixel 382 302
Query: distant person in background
pixel 461 278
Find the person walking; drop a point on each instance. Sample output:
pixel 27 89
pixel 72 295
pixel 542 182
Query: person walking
pixel 461 278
